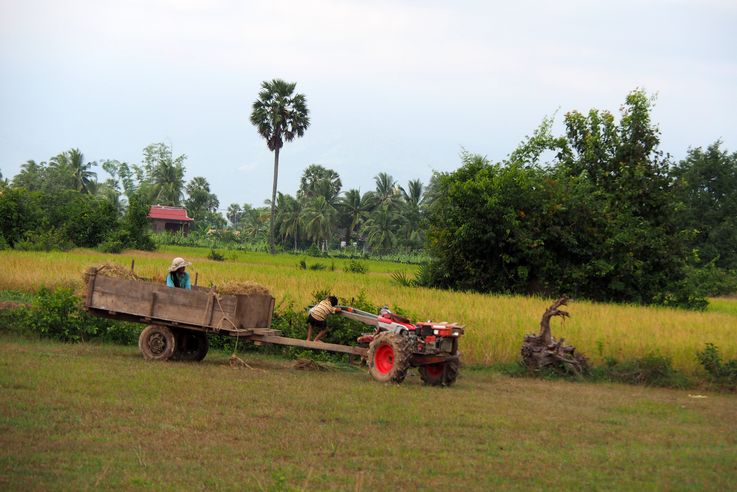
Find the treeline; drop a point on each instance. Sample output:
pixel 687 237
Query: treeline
pixel 598 212
pixel 606 217
pixel 61 204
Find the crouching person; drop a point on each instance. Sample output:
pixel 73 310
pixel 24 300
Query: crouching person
pixel 318 315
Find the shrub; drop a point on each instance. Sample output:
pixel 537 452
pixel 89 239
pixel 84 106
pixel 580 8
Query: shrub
pixel 317 266
pixel 46 240
pixel 401 278
pixel 723 373
pixel 215 256
pixel 57 314
pixel 355 266
pixel 112 246
pixel 651 370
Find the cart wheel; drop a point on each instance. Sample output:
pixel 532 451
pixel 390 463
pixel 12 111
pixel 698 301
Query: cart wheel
pixel 191 346
pixel 388 357
pixel 157 342
pixel 443 374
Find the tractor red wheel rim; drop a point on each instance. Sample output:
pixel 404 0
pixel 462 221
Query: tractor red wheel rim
pixel 434 370
pixel 384 359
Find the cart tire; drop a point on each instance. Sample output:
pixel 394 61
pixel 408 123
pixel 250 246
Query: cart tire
pixel 443 374
pixel 157 343
pixel 190 346
pixel 388 357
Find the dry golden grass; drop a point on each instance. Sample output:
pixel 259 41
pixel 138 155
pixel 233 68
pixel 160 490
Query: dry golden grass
pixel 495 324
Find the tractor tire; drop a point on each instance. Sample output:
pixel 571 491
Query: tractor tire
pixel 157 342
pixel 191 346
pixel 443 374
pixel 388 357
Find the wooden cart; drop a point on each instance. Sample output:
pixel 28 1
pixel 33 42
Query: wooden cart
pixel 179 319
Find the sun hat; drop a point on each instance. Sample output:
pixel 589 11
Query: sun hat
pixel 178 263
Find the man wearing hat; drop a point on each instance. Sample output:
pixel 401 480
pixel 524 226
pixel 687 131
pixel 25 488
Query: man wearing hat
pixel 177 277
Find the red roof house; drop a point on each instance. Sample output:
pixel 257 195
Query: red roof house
pixel 169 219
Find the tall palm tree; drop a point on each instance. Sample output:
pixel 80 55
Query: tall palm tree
pixel 319 217
pixel 279 115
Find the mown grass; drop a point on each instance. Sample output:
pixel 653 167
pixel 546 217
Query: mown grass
pixel 77 417
pixel 495 324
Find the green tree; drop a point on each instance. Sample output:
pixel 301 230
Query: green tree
pixel 319 217
pixel 31 176
pixel 289 218
pixel 234 214
pixel 279 115
pixel 162 175
pixel 319 181
pixel 706 182
pixel 200 203
pixel 387 191
pixel 381 227
pixel 354 209
pixel 411 210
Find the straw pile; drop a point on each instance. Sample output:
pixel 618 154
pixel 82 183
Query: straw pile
pixel 248 288
pixel 110 270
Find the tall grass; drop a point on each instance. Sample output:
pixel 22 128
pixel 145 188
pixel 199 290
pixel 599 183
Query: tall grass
pixel 495 324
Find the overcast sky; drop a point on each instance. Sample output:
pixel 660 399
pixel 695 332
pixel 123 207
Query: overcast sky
pixel 395 86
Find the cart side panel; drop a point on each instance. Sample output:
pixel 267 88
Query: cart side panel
pixel 159 302
pixel 254 310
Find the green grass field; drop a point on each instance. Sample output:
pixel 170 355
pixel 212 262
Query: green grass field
pixel 495 324
pixel 79 417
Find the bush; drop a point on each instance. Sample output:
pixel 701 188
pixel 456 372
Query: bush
pixel 112 246
pixel 48 240
pixel 317 266
pixel 3 243
pixel 354 266
pixel 57 314
pixel 215 256
pixel 651 370
pixel 723 373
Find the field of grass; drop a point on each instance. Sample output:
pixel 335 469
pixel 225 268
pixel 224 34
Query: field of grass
pixel 495 324
pixel 85 416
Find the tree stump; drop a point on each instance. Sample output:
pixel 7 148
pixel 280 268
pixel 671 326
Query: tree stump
pixel 542 351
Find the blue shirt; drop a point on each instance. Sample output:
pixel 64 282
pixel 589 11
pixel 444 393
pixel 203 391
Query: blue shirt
pixel 183 280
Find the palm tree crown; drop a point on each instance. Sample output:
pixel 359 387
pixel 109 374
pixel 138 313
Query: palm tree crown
pixel 279 115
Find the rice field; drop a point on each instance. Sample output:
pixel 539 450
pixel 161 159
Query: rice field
pixel 495 324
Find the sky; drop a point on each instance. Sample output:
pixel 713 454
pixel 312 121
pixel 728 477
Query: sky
pixel 397 86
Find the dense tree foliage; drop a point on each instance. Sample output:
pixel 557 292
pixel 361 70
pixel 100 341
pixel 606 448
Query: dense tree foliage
pixel 598 221
pixel 596 211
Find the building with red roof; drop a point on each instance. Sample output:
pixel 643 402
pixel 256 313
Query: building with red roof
pixel 169 219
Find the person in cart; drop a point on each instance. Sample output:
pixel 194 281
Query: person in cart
pixel 318 315
pixel 177 276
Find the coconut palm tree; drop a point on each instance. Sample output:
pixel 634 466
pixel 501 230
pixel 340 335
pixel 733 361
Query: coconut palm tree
pixel 318 180
pixel 289 217
pixel 355 209
pixel 279 115
pixel 319 217
pixel 387 190
pixel 412 199
pixel 380 229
